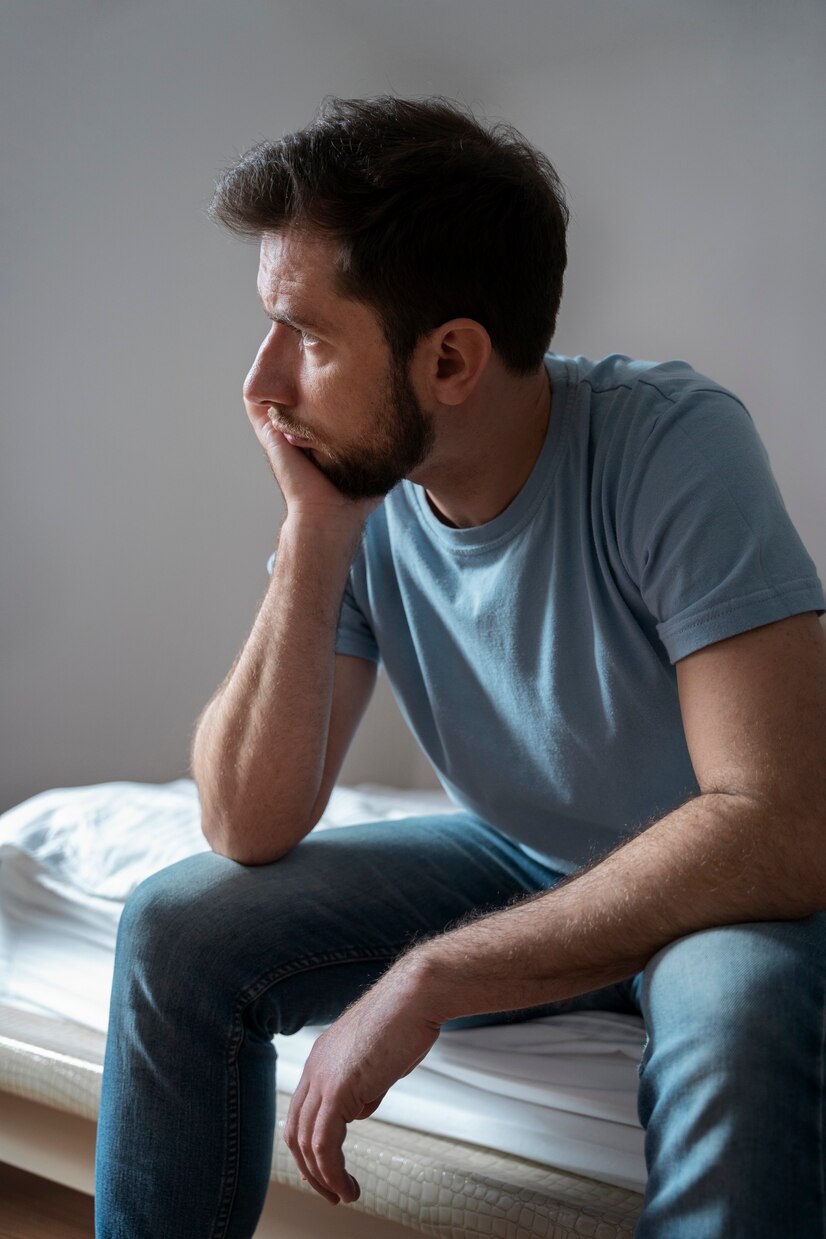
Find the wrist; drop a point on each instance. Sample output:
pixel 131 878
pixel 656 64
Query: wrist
pixel 426 979
pixel 326 535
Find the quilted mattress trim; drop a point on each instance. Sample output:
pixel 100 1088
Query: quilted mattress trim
pixel 428 1183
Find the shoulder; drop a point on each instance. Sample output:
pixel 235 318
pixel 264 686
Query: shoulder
pixel 623 400
pixel 657 384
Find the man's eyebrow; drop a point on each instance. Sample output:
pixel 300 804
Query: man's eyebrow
pixel 297 318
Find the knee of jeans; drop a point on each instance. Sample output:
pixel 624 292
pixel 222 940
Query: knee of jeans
pixel 173 904
pixel 725 982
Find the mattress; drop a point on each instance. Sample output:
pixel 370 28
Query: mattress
pixel 424 1182
pixel 552 1096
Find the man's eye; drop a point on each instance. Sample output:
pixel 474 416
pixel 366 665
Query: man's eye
pixel 306 338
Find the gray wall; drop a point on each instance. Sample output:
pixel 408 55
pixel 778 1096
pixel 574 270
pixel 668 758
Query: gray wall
pixel 136 510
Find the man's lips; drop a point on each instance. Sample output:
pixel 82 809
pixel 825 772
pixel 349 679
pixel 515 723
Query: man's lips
pixel 295 439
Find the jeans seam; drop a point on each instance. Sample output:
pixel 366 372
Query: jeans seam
pixel 249 995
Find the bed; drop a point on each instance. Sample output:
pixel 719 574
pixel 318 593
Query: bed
pixel 512 1131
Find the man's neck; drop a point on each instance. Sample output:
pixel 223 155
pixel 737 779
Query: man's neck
pixel 483 469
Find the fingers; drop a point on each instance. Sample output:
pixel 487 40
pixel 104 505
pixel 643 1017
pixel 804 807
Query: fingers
pixel 291 1135
pixel 296 1147
pixel 315 1138
pixel 301 481
pixel 326 1161
pixel 288 464
pixel 281 456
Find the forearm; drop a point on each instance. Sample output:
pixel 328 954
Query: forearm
pixel 718 859
pixel 259 748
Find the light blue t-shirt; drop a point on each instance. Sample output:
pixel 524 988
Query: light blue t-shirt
pixel 532 656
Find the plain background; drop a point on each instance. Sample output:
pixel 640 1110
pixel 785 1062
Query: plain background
pixel 136 509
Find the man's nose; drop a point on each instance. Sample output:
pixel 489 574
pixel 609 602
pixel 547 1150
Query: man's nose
pixel 268 381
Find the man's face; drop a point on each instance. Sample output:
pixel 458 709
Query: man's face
pixel 327 371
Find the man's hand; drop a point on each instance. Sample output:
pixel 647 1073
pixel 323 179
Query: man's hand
pixel 381 1038
pixel 306 489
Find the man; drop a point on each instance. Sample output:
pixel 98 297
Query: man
pixel 603 629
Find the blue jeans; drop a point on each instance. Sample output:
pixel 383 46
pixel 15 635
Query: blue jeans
pixel 214 957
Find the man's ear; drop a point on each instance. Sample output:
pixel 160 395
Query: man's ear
pixel 452 360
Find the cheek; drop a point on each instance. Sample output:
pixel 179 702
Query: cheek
pixel 341 395
pixel 334 393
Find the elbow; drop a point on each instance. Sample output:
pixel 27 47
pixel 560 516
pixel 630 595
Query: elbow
pixel 246 844
pixel 238 826
pixel 248 858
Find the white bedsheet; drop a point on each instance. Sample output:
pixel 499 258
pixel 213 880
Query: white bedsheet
pixel 560 1091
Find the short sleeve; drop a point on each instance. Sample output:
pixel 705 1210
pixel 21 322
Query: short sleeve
pixel 704 530
pixel 354 635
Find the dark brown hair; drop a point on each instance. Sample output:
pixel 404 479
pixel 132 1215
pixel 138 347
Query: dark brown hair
pixel 435 215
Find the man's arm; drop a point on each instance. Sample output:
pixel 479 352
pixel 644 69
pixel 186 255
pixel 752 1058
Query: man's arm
pixel 750 847
pixel 269 745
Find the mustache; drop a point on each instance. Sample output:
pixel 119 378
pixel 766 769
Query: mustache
pixel 282 421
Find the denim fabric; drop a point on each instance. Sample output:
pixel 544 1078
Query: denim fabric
pixel 731 1083
pixel 214 957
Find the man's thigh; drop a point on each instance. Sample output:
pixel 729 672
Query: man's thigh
pixel 731 1091
pixel 738 995
pixel 315 928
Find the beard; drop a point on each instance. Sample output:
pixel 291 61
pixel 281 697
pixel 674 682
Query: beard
pixel 401 439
